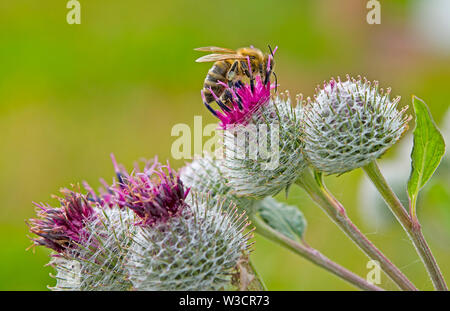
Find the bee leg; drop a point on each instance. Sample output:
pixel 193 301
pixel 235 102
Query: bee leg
pixel 222 106
pixel 248 72
pixel 261 70
pixel 232 72
pixel 239 101
pixel 231 85
pixel 205 102
pixel 238 84
pixel 252 83
pixel 228 97
pixel 245 69
pixel 228 93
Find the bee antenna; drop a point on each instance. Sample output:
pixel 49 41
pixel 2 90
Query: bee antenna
pixel 270 49
pixel 276 80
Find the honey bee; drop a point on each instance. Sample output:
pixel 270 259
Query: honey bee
pixel 231 67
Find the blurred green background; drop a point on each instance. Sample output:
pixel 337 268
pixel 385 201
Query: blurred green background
pixel 72 94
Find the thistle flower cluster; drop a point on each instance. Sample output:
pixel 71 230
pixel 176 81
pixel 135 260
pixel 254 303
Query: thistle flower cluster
pixel 347 125
pixel 141 233
pixel 159 229
pixel 154 195
pixel 63 227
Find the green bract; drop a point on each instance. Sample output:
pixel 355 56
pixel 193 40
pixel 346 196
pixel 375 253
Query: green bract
pixel 204 175
pixel 98 264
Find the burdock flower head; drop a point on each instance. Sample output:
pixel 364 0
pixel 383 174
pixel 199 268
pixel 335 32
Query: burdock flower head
pixel 245 101
pixel 349 124
pixel 154 194
pixel 61 228
pixel 90 241
pixel 179 244
pixel 261 138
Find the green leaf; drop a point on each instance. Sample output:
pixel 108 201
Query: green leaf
pixel 429 147
pixel 286 219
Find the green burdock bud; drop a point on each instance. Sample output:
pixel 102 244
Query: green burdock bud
pixel 349 124
pixel 204 175
pixel 198 249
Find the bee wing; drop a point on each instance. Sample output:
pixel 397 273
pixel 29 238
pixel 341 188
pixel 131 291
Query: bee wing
pixel 218 57
pixel 215 49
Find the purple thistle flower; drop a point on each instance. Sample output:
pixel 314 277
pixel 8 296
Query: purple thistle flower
pixel 244 99
pixel 62 227
pixel 106 196
pixel 155 194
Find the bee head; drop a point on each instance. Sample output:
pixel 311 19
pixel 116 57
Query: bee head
pixel 256 58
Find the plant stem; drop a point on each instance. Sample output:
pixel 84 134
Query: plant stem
pixel 314 186
pixel 312 255
pixel 258 279
pixel 410 224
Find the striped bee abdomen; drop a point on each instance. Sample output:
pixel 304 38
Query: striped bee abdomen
pixel 218 72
